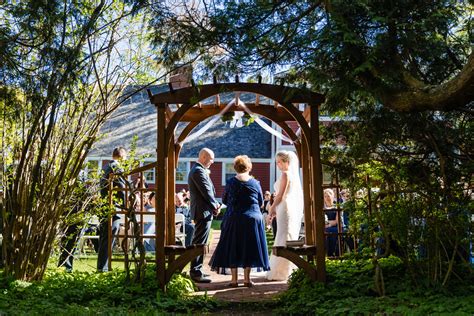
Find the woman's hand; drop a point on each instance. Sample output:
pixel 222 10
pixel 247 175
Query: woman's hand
pixel 270 217
pixel 272 211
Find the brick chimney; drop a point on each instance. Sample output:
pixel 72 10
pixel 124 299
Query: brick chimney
pixel 181 76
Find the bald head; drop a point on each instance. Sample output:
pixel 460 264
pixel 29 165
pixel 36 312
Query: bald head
pixel 206 157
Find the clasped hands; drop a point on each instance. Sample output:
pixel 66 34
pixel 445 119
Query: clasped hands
pixel 271 216
pixel 217 210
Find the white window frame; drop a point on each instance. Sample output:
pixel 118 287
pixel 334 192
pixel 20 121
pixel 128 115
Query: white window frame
pixel 185 181
pixel 224 171
pixel 99 164
pixel 152 171
pixel 230 161
pixel 145 162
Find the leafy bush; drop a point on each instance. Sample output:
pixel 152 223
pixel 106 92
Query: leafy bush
pixel 350 290
pixel 106 293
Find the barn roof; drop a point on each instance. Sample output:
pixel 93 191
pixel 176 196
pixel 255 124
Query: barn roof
pixel 138 117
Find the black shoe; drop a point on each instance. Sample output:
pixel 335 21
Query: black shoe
pixel 201 279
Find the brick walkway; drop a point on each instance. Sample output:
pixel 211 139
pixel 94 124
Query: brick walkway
pixel 263 289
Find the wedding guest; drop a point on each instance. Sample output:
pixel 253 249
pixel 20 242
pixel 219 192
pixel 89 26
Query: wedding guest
pixel 203 207
pixel 186 197
pixel 182 208
pixel 149 227
pixel 272 220
pixel 114 167
pixel 266 205
pixel 242 243
pixel 331 223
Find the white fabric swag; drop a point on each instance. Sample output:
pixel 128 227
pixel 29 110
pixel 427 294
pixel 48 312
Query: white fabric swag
pixel 236 122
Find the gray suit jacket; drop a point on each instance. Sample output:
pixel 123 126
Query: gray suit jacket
pixel 203 201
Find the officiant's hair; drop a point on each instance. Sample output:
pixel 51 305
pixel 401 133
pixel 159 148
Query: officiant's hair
pixel 242 164
pixel 205 152
pixel 119 153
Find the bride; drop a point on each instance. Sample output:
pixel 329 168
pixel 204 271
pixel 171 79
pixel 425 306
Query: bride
pixel 288 209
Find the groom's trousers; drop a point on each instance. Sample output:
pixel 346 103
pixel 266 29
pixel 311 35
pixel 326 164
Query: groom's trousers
pixel 201 236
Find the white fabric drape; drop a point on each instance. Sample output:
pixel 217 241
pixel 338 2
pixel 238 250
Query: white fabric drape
pixel 264 125
pixel 236 122
pixel 203 129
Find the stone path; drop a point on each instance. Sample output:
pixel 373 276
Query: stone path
pixel 263 289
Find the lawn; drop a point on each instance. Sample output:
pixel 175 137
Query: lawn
pixel 350 290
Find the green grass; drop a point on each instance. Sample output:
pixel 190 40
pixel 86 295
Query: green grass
pixel 216 224
pixel 88 263
pixel 350 291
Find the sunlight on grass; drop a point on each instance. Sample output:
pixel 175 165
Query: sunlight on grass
pixel 88 263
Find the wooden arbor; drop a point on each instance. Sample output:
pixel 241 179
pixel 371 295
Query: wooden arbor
pixel 282 111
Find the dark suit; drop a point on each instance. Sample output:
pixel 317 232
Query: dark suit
pixel 203 204
pixel 119 197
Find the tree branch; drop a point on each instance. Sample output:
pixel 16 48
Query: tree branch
pixel 453 94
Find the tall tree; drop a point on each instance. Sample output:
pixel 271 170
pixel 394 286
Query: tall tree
pixel 63 71
pixel 410 55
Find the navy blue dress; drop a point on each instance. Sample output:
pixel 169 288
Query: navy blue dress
pixel 242 242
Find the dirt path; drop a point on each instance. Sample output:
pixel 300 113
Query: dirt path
pixel 263 289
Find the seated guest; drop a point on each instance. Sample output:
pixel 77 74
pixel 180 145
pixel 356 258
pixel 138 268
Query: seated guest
pixel 331 223
pixel 182 208
pixel 149 227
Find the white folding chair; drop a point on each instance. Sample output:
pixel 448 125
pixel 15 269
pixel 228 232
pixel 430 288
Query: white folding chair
pixel 94 220
pixel 180 222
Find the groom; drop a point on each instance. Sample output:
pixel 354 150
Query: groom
pixel 203 206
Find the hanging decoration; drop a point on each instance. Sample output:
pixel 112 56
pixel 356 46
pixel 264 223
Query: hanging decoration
pixel 236 119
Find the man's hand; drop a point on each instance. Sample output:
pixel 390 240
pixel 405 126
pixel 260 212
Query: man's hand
pixel 217 210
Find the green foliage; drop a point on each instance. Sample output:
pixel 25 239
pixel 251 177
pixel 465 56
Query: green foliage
pixel 343 48
pixel 106 293
pixel 180 285
pixel 417 168
pixel 66 65
pixel 350 291
pixel 246 118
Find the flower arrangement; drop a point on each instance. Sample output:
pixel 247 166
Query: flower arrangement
pixel 238 119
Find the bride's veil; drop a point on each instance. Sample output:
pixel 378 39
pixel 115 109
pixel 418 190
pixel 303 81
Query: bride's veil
pixel 294 173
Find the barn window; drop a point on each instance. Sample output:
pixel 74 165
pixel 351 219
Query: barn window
pixel 149 175
pixel 182 170
pixel 93 166
pixel 228 172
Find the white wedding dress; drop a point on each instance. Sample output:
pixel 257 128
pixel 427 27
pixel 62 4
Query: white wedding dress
pixel 289 213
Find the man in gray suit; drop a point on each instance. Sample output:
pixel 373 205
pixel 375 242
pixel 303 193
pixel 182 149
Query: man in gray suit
pixel 203 206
